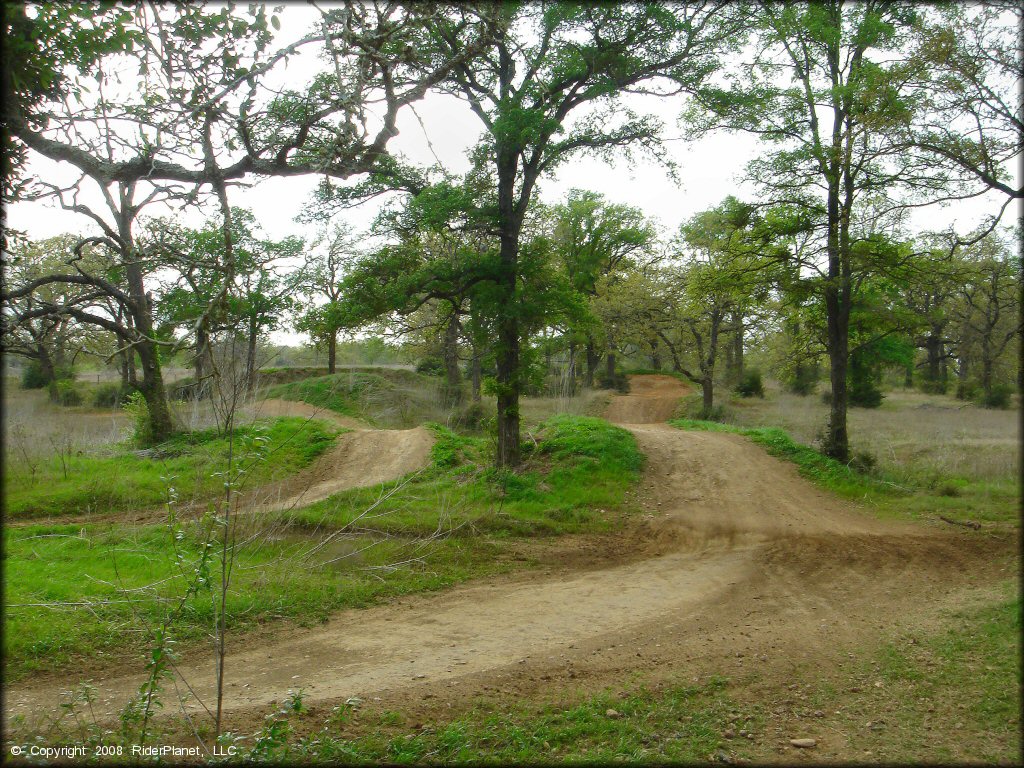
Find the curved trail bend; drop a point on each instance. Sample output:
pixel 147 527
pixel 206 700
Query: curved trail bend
pixel 736 555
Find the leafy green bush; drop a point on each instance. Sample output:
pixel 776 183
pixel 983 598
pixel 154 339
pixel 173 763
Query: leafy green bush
pixel 750 385
pixel 804 380
pixel 110 395
pixel 32 376
pixel 865 394
pixel 432 366
pixel 998 397
pixel 135 406
pixel 65 392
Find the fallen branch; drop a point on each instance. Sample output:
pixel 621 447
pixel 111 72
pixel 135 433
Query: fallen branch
pixel 965 523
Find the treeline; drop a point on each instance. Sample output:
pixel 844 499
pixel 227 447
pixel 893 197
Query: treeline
pixel 865 112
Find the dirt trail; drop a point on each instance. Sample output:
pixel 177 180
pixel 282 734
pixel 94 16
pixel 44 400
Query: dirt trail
pixel 652 398
pixel 737 555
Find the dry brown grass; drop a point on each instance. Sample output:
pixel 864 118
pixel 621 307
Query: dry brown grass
pixel 910 433
pixel 32 425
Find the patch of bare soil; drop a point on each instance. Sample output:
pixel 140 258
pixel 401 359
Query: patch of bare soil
pixel 739 567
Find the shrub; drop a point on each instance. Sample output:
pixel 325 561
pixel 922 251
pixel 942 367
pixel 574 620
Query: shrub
pixel 750 384
pixel 110 395
pixel 431 366
pixel 32 376
pixel 865 394
pixel 998 397
pixel 135 406
pixel 863 462
pixel 937 387
pixel 64 392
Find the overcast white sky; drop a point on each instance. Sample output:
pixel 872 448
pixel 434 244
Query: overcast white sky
pixel 709 169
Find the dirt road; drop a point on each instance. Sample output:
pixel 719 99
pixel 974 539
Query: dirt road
pixel 737 558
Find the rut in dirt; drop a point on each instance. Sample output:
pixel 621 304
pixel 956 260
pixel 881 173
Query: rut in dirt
pixel 733 541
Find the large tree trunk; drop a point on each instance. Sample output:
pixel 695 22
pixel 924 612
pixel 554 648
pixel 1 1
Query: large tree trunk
pixel 707 390
pixel 961 376
pixel 332 352
pixel 610 367
pixel 570 372
pixel 250 355
pixel 837 310
pixel 152 385
pixel 592 360
pixel 507 351
pixel 475 375
pixel 737 349
pixel 450 353
pixel 154 392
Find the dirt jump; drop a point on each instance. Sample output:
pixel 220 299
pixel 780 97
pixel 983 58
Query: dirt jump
pixel 736 564
pixel 360 458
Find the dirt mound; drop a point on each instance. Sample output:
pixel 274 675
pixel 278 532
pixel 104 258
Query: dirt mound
pixel 361 458
pixel 358 459
pixel 652 398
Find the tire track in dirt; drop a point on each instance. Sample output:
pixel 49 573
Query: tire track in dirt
pixel 737 555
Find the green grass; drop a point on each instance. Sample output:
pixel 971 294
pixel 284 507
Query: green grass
pixel 272 580
pixel 902 497
pixel 579 470
pixel 575 481
pixel 189 462
pixel 681 724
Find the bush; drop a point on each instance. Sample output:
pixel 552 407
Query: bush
pixel 472 416
pixel 865 394
pixel 937 387
pixel 32 376
pixel 110 395
pixel 135 406
pixel 804 380
pixel 64 392
pixel 998 397
pixel 431 366
pixel 186 389
pixel 863 462
pixel 750 384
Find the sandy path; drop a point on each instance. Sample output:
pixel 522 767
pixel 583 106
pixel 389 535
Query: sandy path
pixel 734 543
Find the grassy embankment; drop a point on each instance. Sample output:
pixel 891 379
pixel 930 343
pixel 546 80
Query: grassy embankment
pixel 575 480
pixel 192 463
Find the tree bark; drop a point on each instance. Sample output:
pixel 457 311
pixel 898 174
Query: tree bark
pixel 592 360
pixel 737 349
pixel 250 354
pixel 450 353
pixel 570 370
pixel 332 352
pixel 707 390
pixel 610 367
